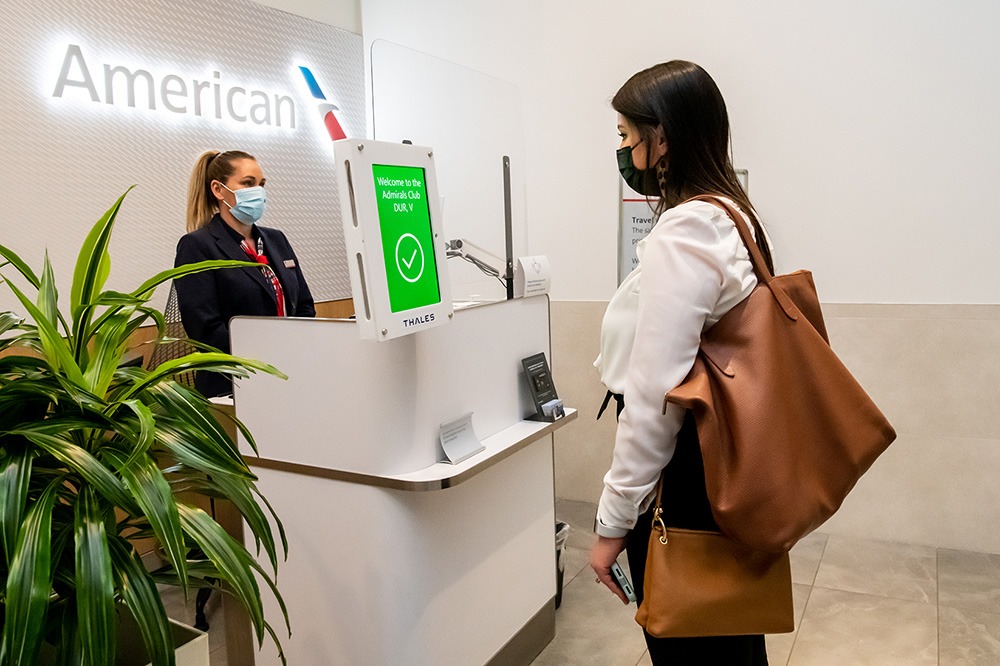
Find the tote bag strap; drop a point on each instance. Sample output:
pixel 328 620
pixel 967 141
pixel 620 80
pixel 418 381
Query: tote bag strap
pixel 764 275
pixel 658 524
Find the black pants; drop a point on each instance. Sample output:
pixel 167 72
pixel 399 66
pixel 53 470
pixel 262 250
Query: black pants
pixel 685 504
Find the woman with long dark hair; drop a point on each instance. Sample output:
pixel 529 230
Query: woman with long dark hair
pixel 693 268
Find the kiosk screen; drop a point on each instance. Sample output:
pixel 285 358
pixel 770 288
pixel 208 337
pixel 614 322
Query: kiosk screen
pixel 407 238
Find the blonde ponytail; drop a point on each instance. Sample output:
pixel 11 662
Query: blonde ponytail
pixel 200 205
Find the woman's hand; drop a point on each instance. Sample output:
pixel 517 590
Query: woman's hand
pixel 603 554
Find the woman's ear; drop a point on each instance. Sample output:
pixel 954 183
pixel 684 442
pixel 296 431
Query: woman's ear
pixel 217 189
pixel 660 149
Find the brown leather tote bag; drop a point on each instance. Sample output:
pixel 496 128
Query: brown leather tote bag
pixel 785 430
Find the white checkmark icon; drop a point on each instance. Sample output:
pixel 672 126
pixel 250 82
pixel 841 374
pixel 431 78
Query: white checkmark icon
pixel 406 267
pixel 409 264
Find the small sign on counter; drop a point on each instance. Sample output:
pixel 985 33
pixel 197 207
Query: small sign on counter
pixel 459 440
pixel 532 276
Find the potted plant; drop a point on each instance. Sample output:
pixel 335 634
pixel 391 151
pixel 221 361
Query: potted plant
pixel 93 454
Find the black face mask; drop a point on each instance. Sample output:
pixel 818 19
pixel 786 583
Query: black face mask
pixel 642 181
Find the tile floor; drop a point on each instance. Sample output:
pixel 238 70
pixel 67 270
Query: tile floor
pixel 857 601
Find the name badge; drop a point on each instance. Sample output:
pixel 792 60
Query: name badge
pixel 289 263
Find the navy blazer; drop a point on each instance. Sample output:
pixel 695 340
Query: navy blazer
pixel 208 300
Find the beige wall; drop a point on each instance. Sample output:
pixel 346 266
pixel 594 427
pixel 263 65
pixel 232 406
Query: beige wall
pixel 933 369
pixel 583 447
pixel 868 128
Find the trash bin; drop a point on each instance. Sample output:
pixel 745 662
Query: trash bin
pixel 562 533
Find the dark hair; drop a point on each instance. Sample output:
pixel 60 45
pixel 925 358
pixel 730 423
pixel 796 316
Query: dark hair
pixel 211 165
pixel 682 98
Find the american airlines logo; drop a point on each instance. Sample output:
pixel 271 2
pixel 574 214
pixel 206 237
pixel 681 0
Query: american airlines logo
pixel 326 110
pixel 212 97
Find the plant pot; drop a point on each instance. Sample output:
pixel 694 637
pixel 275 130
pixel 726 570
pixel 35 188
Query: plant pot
pixel 190 645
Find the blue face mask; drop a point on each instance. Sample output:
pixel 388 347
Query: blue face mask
pixel 250 204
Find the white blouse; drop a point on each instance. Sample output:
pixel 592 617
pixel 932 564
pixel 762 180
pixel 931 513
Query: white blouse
pixel 693 268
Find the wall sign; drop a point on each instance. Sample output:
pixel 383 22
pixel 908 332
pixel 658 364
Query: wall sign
pixel 101 95
pixel 635 219
pixel 172 93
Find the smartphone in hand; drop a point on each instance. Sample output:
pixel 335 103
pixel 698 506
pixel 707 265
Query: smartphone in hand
pixel 622 581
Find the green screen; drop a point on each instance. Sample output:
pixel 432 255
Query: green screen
pixel 407 240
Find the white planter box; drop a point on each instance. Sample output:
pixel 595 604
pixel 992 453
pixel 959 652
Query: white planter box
pixel 190 644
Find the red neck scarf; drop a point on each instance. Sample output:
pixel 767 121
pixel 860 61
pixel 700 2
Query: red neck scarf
pixel 258 256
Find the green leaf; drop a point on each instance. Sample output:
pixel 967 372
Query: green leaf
pixel 13 496
pixel 209 361
pixel 93 264
pixel 143 599
pixel 277 522
pixel 27 339
pixel 146 433
pixel 117 298
pixel 9 320
pixel 247 435
pixel 57 350
pixel 149 313
pixel 68 652
pixel 109 347
pixel 62 534
pixel 235 566
pixel 27 388
pixel 230 557
pixel 116 310
pixel 77 394
pixel 194 449
pixel 200 419
pixel 48 297
pixel 125 378
pixel 95 591
pixel 151 490
pixel 29 582
pixel 240 493
pixel 81 462
pixel 147 287
pixel 64 423
pixel 75 427
pixel 281 604
pixel 17 364
pixel 21 267
pixel 198 572
pixel 277 643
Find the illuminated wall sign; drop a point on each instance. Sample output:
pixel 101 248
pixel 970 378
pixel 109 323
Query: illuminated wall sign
pixel 99 95
pixel 213 98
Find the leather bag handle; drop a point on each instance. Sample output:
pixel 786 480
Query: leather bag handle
pixel 760 268
pixel 658 524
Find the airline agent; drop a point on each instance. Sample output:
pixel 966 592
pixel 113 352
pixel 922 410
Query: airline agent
pixel 226 199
